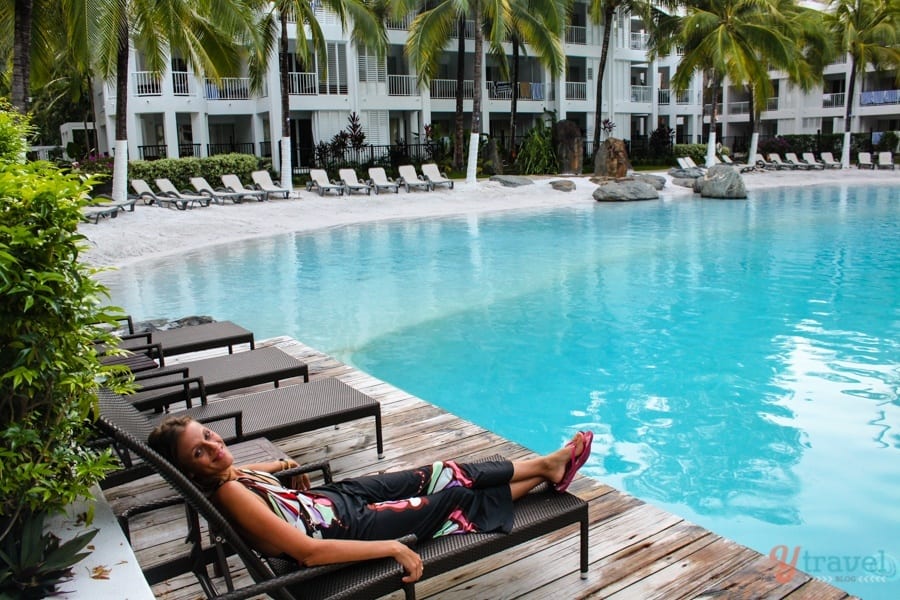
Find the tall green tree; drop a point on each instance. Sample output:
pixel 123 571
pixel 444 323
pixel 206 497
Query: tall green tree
pixel 365 21
pixel 868 31
pixel 432 29
pixel 737 40
pixel 540 24
pixel 208 34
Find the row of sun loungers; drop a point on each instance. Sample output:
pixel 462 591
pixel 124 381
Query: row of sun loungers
pixel 276 413
pixel 378 181
pixel 204 194
pixel 885 161
pixel 791 161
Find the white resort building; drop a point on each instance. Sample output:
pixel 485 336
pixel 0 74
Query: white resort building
pixel 178 113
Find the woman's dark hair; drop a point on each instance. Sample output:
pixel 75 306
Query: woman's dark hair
pixel 164 439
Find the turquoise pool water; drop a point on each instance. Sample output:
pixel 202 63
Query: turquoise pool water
pixel 739 362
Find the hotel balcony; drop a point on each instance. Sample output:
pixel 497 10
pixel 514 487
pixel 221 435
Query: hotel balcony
pixel 446 89
pixel 308 84
pixel 230 88
pixel 641 94
pixel 833 100
pixel 576 35
pixel 576 90
pixel 402 85
pixel 528 90
pixel 639 41
pixel 879 97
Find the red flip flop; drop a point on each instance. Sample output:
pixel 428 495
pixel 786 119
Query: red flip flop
pixel 576 462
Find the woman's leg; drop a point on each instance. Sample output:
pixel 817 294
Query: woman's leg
pixel 528 474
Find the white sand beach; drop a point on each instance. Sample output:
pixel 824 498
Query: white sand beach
pixel 151 232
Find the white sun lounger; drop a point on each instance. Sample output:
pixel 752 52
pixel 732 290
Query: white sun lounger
pixel 409 179
pixel 216 195
pixel 379 180
pixel 263 181
pixel 233 183
pixel 352 183
pixel 168 189
pixel 829 162
pixel 319 181
pixel 433 175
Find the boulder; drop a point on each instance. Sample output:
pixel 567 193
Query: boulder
pixel 657 181
pixel 692 173
pixel 563 185
pixel 688 183
pixel 511 180
pixel 569 144
pixel 612 159
pixel 721 181
pixel 624 191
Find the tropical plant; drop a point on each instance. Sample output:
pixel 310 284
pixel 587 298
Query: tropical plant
pixel 50 307
pixel 868 31
pixel 537 154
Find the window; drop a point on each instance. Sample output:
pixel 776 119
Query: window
pixel 332 69
pixel 371 69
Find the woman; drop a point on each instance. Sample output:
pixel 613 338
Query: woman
pixel 359 519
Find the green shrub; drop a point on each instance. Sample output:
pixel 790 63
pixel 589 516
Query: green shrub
pixel 180 170
pixel 537 154
pixel 50 307
pixel 695 151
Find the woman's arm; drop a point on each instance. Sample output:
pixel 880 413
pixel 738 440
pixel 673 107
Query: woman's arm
pixel 272 466
pixel 272 535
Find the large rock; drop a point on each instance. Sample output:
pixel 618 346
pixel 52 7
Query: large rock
pixel 563 185
pixel 691 173
pixel 721 181
pixel 511 180
pixel 569 144
pixel 624 191
pixel 612 159
pixel 657 181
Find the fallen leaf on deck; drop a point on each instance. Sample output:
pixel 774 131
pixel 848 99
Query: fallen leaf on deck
pixel 100 572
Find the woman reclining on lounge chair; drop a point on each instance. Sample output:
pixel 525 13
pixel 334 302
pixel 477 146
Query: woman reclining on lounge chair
pixel 360 519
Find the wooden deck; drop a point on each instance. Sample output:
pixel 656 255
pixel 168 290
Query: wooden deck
pixel 636 549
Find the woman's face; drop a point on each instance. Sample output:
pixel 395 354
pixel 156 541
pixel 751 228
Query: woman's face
pixel 202 452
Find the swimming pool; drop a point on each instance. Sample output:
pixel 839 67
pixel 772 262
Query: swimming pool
pixel 738 361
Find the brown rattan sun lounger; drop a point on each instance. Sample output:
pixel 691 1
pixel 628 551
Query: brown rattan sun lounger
pixel 289 410
pixel 215 375
pixel 193 338
pixel 539 513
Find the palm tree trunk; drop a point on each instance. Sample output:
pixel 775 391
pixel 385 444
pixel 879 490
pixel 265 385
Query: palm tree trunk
pixel 21 55
pixel 460 93
pixel 601 69
pixel 477 81
pixel 848 114
pixel 284 146
pixel 120 161
pixel 513 103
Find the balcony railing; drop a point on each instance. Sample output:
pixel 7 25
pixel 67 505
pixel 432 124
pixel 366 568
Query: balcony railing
pixel 239 148
pixel 772 103
pixel 639 41
pixel 640 93
pixel 576 90
pixel 683 97
pixel 303 84
pixel 153 152
pixel 228 88
pixel 528 90
pixel 576 35
pixel 878 97
pixel 469 30
pixel 739 108
pixel 402 85
pixel 188 150
pixel 446 88
pixel 835 100
pixel 664 96
pixel 265 149
pixel 147 83
pixel 181 83
pixel 401 24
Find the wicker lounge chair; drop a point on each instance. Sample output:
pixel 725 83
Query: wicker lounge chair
pixel 539 513
pixel 434 176
pixel 409 179
pixel 264 182
pixel 219 195
pixel 380 181
pixel 233 183
pixel 352 183
pixel 864 161
pixel 886 160
pixel 829 162
pixel 215 375
pixel 168 189
pixel 319 182
pixel 192 338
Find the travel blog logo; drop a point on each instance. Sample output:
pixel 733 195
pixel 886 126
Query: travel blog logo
pixel 879 567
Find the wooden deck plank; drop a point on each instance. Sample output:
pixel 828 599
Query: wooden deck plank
pixel 636 550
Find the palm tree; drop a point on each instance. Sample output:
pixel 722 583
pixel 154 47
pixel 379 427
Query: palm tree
pixel 367 30
pixel 538 23
pixel 429 34
pixel 869 32
pixel 205 32
pixel 733 39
